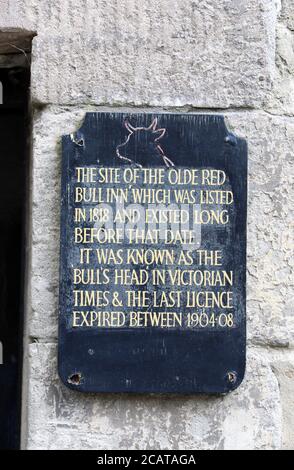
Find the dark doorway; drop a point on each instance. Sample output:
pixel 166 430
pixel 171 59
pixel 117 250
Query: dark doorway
pixel 14 131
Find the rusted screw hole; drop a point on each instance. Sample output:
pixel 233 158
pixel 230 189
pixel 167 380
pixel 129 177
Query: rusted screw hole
pixel 75 379
pixel 78 141
pixel 232 377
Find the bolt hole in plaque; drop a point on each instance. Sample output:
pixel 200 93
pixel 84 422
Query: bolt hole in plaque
pixel 153 255
pixel 75 379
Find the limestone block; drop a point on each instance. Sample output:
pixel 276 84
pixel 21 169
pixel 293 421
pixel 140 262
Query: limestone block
pixel 281 100
pixel 155 53
pixel 285 374
pixel 270 226
pixel 59 418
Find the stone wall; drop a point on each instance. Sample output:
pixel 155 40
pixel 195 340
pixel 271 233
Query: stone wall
pixel 226 56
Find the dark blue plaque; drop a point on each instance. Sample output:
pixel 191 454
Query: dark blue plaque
pixel 153 255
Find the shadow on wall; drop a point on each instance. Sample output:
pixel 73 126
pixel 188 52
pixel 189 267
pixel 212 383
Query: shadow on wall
pixel 13 137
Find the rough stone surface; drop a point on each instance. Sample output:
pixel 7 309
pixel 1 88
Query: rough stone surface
pixel 270 265
pixel 285 375
pixel 46 179
pixel 205 54
pixel 59 418
pixel 281 100
pixel 270 222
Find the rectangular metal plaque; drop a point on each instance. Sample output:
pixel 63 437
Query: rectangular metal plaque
pixel 153 255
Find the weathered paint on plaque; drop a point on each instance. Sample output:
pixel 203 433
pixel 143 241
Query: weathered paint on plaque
pixel 153 255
